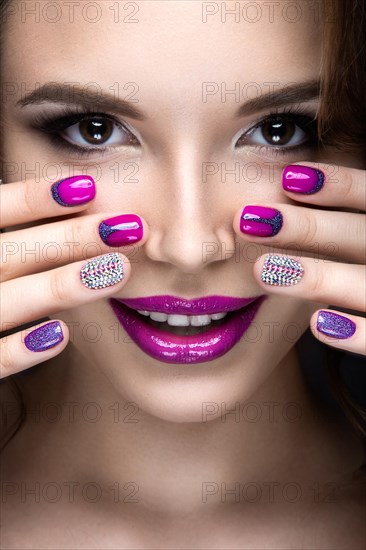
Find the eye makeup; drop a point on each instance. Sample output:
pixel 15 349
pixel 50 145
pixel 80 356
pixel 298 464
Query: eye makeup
pixel 53 125
pixel 279 126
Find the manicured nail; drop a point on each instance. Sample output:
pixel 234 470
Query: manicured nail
pixel 335 325
pixel 281 271
pixel 302 179
pixel 121 230
pixel 260 221
pixel 44 337
pixel 102 271
pixel 73 191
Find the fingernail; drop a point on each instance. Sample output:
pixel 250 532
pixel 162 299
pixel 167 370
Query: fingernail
pixel 44 337
pixel 121 230
pixel 302 179
pixel 73 191
pixel 281 271
pixel 335 325
pixel 102 271
pixel 260 221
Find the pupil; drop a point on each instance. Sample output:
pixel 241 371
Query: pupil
pixel 278 132
pixel 96 130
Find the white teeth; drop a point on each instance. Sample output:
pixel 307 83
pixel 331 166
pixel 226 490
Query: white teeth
pixel 157 316
pixel 200 320
pixel 183 320
pixel 218 316
pixel 178 320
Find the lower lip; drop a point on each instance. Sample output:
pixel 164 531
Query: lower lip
pixel 199 348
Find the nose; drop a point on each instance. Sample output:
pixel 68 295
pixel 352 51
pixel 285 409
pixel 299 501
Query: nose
pixel 189 226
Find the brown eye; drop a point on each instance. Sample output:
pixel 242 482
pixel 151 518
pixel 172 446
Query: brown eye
pixel 278 132
pixel 96 131
pixel 284 131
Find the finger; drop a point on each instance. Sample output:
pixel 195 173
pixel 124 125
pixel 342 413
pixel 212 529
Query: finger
pixel 39 295
pixel 325 184
pixel 31 200
pixel 334 234
pixel 320 281
pixel 44 247
pixel 27 348
pixel 339 330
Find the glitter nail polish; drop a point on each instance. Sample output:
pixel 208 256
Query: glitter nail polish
pixel 102 271
pixel 260 221
pixel 44 337
pixel 335 325
pixel 281 271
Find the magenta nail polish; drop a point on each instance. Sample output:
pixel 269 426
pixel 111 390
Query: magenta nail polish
pixel 121 230
pixel 44 337
pixel 302 179
pixel 73 191
pixel 260 221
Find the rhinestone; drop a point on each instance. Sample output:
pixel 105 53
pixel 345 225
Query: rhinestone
pixel 281 271
pixel 103 271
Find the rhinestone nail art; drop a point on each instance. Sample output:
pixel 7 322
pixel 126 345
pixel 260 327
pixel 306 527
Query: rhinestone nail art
pixel 281 271
pixel 103 271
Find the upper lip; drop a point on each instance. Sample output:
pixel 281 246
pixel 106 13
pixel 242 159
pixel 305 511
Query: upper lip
pixel 198 306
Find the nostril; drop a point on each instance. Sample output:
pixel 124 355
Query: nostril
pixel 190 251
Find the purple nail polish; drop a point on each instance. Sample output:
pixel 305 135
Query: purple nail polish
pixel 335 325
pixel 302 179
pixel 121 230
pixel 260 221
pixel 44 337
pixel 73 191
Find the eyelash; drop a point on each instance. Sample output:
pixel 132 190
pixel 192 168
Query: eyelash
pixel 296 115
pixel 52 126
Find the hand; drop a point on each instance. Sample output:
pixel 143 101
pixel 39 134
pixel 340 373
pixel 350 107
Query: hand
pixel 340 234
pixel 34 286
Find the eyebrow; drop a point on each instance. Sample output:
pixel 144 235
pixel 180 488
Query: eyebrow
pixel 293 93
pixel 55 92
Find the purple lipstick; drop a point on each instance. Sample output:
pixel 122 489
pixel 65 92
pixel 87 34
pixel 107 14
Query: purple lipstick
pixel 179 331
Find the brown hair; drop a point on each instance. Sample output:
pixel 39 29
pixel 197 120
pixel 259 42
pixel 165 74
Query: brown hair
pixel 341 116
pixel 340 123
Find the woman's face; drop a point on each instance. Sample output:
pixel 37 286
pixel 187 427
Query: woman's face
pixel 188 67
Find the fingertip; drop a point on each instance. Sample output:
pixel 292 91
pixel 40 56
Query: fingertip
pixel 105 271
pixel 145 231
pixel 258 269
pixel 331 324
pixel 51 337
pixel 237 222
pixel 73 191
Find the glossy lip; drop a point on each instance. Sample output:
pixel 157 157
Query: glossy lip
pixel 177 349
pixel 180 306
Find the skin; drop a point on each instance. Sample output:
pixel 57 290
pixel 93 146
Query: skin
pixel 159 442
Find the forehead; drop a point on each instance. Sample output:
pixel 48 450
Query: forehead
pixel 166 47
